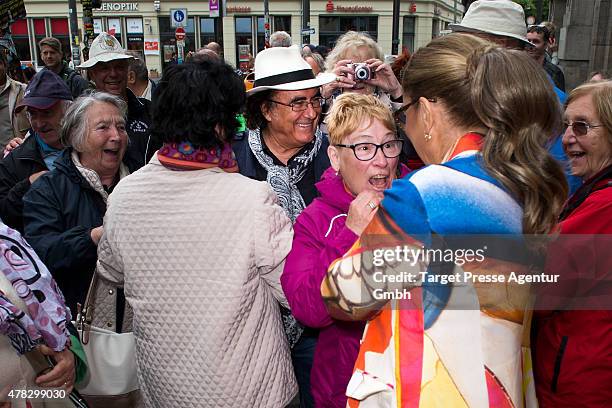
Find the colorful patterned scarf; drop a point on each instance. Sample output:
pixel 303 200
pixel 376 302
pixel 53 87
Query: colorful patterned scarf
pixel 32 308
pixel 184 156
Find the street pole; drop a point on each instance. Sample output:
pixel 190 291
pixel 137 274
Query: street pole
pixel 395 28
pixel 266 24
pixel 88 27
pixel 538 11
pixel 455 12
pixel 74 33
pixel 305 20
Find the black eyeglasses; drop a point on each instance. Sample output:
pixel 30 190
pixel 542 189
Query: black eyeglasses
pixel 580 128
pixel 300 106
pixel 400 114
pixel 367 151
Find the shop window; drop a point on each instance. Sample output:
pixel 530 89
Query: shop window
pixel 244 41
pixel 210 31
pixel 135 37
pixel 97 22
pixel 282 23
pixel 261 34
pixel 332 27
pixel 39 33
pixel 114 28
pixel 60 30
pixel 168 40
pixel 408 34
pixel 19 31
pixel 435 28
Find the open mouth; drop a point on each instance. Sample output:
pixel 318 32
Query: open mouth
pixel 379 182
pixel 112 152
pixel 575 155
pixel 305 126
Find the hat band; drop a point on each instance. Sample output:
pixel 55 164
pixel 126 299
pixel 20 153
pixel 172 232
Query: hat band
pixel 288 77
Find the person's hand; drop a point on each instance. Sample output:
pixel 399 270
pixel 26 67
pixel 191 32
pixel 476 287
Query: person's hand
pixel 96 234
pixel 384 78
pixel 362 210
pixel 13 143
pixel 344 79
pixel 63 374
pixel 35 176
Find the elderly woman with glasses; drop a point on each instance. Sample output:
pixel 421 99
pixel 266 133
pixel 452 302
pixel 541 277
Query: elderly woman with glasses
pixel 64 208
pixel 364 161
pixel 573 344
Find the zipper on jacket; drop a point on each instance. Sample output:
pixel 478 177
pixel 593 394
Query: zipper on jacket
pixel 558 360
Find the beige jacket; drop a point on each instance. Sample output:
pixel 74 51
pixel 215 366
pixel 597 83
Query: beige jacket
pixel 200 254
pixel 19 121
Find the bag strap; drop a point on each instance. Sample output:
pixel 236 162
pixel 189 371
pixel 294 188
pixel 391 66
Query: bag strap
pixel 85 312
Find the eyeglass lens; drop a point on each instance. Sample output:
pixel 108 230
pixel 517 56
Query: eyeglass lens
pixel 303 105
pixel 579 128
pixel 367 151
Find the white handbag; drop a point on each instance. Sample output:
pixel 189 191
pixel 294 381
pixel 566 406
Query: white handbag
pixel 111 357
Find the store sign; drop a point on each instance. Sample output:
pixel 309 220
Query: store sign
pixel 118 7
pixel 151 46
pixel 213 7
pixel 354 9
pixel 238 9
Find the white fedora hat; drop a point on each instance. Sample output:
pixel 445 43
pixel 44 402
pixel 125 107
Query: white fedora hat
pixel 104 48
pixel 497 17
pixel 284 69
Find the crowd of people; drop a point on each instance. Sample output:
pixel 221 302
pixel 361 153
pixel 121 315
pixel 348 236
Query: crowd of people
pixel 235 226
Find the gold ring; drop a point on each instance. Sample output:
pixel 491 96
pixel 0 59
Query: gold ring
pixel 372 205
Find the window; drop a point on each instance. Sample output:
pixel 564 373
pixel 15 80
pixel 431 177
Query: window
pixel 168 40
pixel 408 34
pixel 60 30
pixel 282 23
pixel 97 23
pixel 209 31
pixel 332 27
pixel 135 36
pixel 244 41
pixel 39 33
pixel 114 28
pixel 435 28
pixel 19 31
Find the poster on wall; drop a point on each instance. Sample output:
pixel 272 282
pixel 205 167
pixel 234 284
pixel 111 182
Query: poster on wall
pixel 151 46
pixel 213 6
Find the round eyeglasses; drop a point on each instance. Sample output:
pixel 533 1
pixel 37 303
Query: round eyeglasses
pixel 367 151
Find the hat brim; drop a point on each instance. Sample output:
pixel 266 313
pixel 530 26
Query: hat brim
pixel 111 56
pixel 321 79
pixel 37 102
pixel 458 28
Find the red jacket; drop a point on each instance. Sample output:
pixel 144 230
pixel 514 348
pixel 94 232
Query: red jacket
pixel 573 348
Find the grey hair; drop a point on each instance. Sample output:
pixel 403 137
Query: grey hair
pixel 280 39
pixel 349 42
pixel 316 57
pixel 74 126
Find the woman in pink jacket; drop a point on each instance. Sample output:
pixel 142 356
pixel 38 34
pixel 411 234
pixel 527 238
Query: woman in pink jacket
pixel 363 152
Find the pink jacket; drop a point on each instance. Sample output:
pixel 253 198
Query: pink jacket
pixel 320 237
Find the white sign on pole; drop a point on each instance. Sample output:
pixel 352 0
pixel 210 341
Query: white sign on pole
pixel 178 17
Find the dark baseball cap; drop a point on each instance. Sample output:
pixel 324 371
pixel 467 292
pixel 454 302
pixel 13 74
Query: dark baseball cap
pixel 44 90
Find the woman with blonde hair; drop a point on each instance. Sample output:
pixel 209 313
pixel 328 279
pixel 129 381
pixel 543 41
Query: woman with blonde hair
pixel 437 337
pixel 364 154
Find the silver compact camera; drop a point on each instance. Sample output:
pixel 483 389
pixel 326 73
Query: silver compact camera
pixel 362 71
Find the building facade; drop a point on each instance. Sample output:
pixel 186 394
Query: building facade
pixel 144 27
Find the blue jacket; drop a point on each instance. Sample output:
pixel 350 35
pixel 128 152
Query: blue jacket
pixel 59 211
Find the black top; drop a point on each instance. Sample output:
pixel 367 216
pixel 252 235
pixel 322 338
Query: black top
pixel 249 166
pixel 141 147
pixel 15 170
pixel 555 74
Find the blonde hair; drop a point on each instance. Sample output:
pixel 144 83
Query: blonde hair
pixel 348 112
pixel 350 42
pixel 484 86
pixel 601 92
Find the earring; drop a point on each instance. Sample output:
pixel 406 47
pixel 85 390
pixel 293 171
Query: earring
pixel 427 137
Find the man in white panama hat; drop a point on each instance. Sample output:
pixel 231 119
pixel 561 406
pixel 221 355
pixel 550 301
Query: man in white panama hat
pixel 286 148
pixel 107 67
